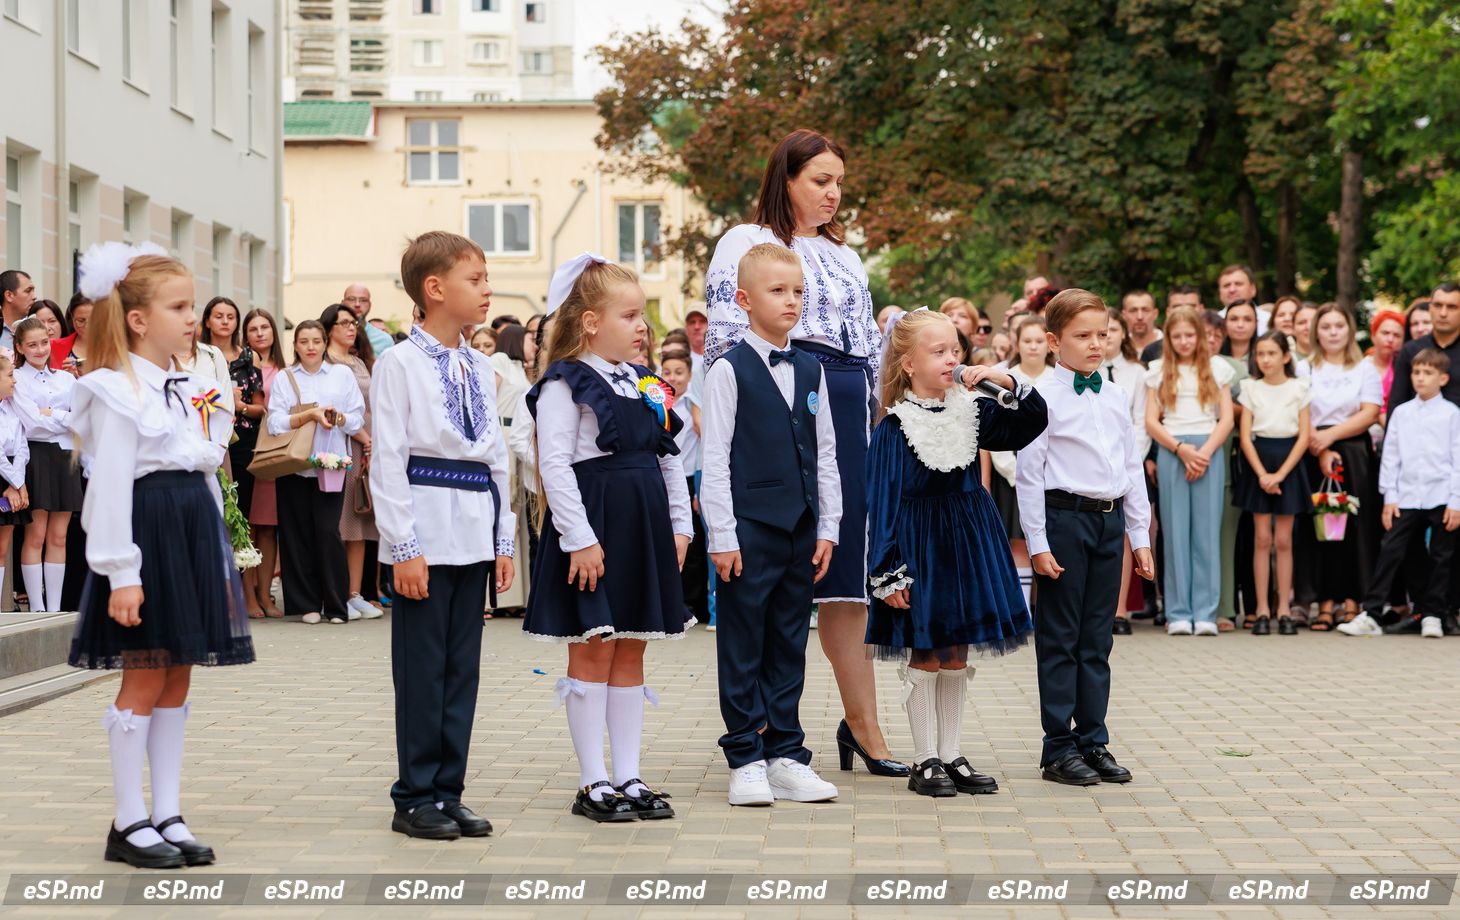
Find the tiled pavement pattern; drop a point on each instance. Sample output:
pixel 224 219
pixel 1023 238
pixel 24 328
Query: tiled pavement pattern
pixel 1353 748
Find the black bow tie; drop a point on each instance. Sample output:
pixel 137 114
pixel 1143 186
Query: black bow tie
pixel 169 392
pixel 778 356
pixel 621 377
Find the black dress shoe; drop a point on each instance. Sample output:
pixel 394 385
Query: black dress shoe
pixel 611 808
pixel 648 804
pixel 847 745
pixel 1449 625
pixel 1286 626
pixel 1099 760
pixel 195 853
pixel 157 856
pixel 1159 619
pixel 969 780
pixel 470 823
pixel 1070 770
pixel 1263 626
pixel 1409 623
pixel 930 778
pixel 1121 626
pixel 427 822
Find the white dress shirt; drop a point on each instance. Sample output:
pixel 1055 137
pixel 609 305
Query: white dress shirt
pixel 1089 449
pixel 1420 467
pixel 331 386
pixel 447 526
pixel 128 428
pixel 567 433
pixel 1339 392
pixel 42 388
pixel 522 441
pixel 1131 375
pixel 688 439
pixel 14 450
pixel 717 424
pixel 1004 462
pixel 209 362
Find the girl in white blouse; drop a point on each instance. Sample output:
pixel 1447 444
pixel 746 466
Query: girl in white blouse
pixel 163 593
pixel 1189 414
pixel 315 571
pixel 14 453
pixel 1347 395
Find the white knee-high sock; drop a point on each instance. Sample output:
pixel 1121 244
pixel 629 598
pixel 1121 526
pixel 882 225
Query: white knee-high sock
pixel 917 700
pixel 127 733
pixel 2 575
pixel 33 577
pixel 626 731
pixel 55 577
pixel 1026 583
pixel 164 757
pixel 587 706
pixel 952 690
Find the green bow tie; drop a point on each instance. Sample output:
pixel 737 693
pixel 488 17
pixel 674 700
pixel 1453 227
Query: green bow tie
pixel 1085 382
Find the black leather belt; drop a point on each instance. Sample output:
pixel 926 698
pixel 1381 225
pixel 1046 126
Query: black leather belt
pixel 1069 501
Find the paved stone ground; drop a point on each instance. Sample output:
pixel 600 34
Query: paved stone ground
pixel 1353 748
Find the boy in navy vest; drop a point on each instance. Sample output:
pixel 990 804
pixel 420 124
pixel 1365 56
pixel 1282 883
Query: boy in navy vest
pixel 771 500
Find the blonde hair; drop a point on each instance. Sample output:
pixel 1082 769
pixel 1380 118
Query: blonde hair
pixel 1207 391
pixel 1351 353
pixel 108 340
pixel 902 336
pixel 762 253
pixel 954 304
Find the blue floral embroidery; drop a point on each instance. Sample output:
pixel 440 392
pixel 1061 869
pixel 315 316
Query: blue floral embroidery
pixel 483 420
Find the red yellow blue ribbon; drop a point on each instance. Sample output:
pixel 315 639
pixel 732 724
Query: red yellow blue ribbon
pixel 207 404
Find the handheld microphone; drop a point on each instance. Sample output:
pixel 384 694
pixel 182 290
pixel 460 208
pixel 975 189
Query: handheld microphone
pixel 998 394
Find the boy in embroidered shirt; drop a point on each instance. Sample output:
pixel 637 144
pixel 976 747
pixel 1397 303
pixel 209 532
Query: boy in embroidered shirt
pixel 437 473
pixel 772 504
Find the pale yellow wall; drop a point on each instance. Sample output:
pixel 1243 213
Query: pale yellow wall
pixel 352 211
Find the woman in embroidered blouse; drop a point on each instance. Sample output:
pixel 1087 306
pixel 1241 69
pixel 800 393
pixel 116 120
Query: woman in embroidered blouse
pixel 800 194
pixel 262 511
pixel 349 348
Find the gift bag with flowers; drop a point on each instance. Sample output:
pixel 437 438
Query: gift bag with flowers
pixel 332 469
pixel 1332 507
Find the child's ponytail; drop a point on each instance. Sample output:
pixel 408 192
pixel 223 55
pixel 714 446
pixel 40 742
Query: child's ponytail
pixel 107 339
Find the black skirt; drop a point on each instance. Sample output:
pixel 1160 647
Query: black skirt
pixel 1006 499
pixel 52 478
pixel 13 518
pixel 192 611
pixel 1296 496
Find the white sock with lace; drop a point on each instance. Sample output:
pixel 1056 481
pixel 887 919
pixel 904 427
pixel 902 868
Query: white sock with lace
pixel 35 592
pixel 127 734
pixel 626 732
pixel 164 756
pixel 917 700
pixel 952 690
pixel 1026 583
pixel 55 577
pixel 587 705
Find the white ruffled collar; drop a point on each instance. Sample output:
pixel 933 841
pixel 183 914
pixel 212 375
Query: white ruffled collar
pixel 942 433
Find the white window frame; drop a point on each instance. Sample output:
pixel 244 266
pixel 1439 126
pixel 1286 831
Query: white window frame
pixel 435 149
pixel 257 109
pixel 499 203
pixel 180 238
pixel 180 73
pixel 527 10
pixel 486 6
pixel 489 96
pixel 540 56
pixel 637 263
pixel 136 218
pixel 485 43
pixel 428 95
pixel 14 212
pixel 419 57
pixel 222 260
pixel 427 7
pixel 256 280
pixel 220 62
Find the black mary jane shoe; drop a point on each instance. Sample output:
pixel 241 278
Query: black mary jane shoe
pixel 613 807
pixel 1263 626
pixel 1121 626
pixel 1286 626
pixel 157 856
pixel 470 823
pixel 194 853
pixel 969 780
pixel 847 745
pixel 1099 760
pixel 648 804
pixel 1070 770
pixel 427 822
pixel 931 778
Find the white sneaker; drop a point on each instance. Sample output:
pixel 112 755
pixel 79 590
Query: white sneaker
pixel 797 782
pixel 749 786
pixel 310 618
pixel 1178 628
pixel 365 609
pixel 1207 628
pixel 710 628
pixel 1363 625
pixel 1430 628
pixel 351 614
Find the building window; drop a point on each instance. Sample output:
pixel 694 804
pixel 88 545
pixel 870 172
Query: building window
pixel 14 211
pixel 639 236
pixel 181 240
pixel 127 49
pixel 256 280
pixel 501 228
pixel 428 7
pixel 134 219
pixel 427 53
pixel 536 12
pixel 222 260
pixel 428 95
pixel 486 97
pixel 367 55
pixel 12 9
pixel 537 62
pixel 433 152
pixel 179 22
pixel 73 25
pixel 486 6
pixel 221 57
pixel 486 52
pixel 258 130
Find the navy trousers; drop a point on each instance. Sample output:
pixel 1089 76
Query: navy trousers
pixel 435 662
pixel 1073 628
pixel 763 618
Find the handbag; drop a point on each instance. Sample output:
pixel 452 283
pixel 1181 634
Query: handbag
pixel 284 454
pixel 363 504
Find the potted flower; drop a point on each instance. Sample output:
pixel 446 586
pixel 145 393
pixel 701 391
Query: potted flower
pixel 1332 507
pixel 332 469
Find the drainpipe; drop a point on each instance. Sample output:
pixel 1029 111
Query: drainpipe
pixel 582 188
pixel 64 266
pixel 281 20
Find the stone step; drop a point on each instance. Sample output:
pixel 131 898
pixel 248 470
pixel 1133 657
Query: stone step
pixel 34 687
pixel 33 641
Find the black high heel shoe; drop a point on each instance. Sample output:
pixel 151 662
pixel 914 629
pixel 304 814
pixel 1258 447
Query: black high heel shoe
pixel 847 745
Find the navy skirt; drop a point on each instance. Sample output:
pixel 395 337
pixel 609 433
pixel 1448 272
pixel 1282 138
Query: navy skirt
pixel 849 391
pixel 1296 496
pixel 192 611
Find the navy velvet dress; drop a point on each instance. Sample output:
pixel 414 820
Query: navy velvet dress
pixel 933 529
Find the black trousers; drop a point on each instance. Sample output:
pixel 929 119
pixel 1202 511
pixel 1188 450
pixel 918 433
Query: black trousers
pixel 1073 628
pixel 764 618
pixel 435 664
pixel 1431 596
pixel 695 576
pixel 315 576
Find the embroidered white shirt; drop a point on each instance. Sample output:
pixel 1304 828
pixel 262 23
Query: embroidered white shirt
pixel 332 386
pixel 37 389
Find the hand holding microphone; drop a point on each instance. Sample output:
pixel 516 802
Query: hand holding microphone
pixel 988 382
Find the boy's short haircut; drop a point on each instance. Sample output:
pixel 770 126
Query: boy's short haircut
pixel 1068 304
pixel 433 253
pixel 766 252
pixel 674 354
pixel 1432 357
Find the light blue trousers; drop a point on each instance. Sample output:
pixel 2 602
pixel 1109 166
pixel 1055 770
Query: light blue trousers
pixel 1191 530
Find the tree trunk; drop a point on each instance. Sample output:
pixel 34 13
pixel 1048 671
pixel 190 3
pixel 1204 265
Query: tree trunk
pixel 1252 233
pixel 1350 225
pixel 1287 242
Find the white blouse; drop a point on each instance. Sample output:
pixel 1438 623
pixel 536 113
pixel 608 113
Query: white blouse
pixel 42 388
pixel 836 308
pixel 1189 416
pixel 1003 461
pixel 210 363
pixel 567 433
pixel 1275 408
pixel 1339 392
pixel 333 386
pixel 14 451
pixel 1131 375
pixel 522 441
pixel 688 439
pixel 128 428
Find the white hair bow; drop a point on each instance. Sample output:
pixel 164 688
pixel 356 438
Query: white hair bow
pixel 104 265
pixel 567 275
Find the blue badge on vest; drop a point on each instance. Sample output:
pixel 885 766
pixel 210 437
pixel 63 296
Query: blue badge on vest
pixel 813 402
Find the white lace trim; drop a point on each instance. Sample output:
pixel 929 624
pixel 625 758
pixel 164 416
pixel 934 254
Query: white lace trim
pixel 608 632
pixel 945 440
pixel 887 584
